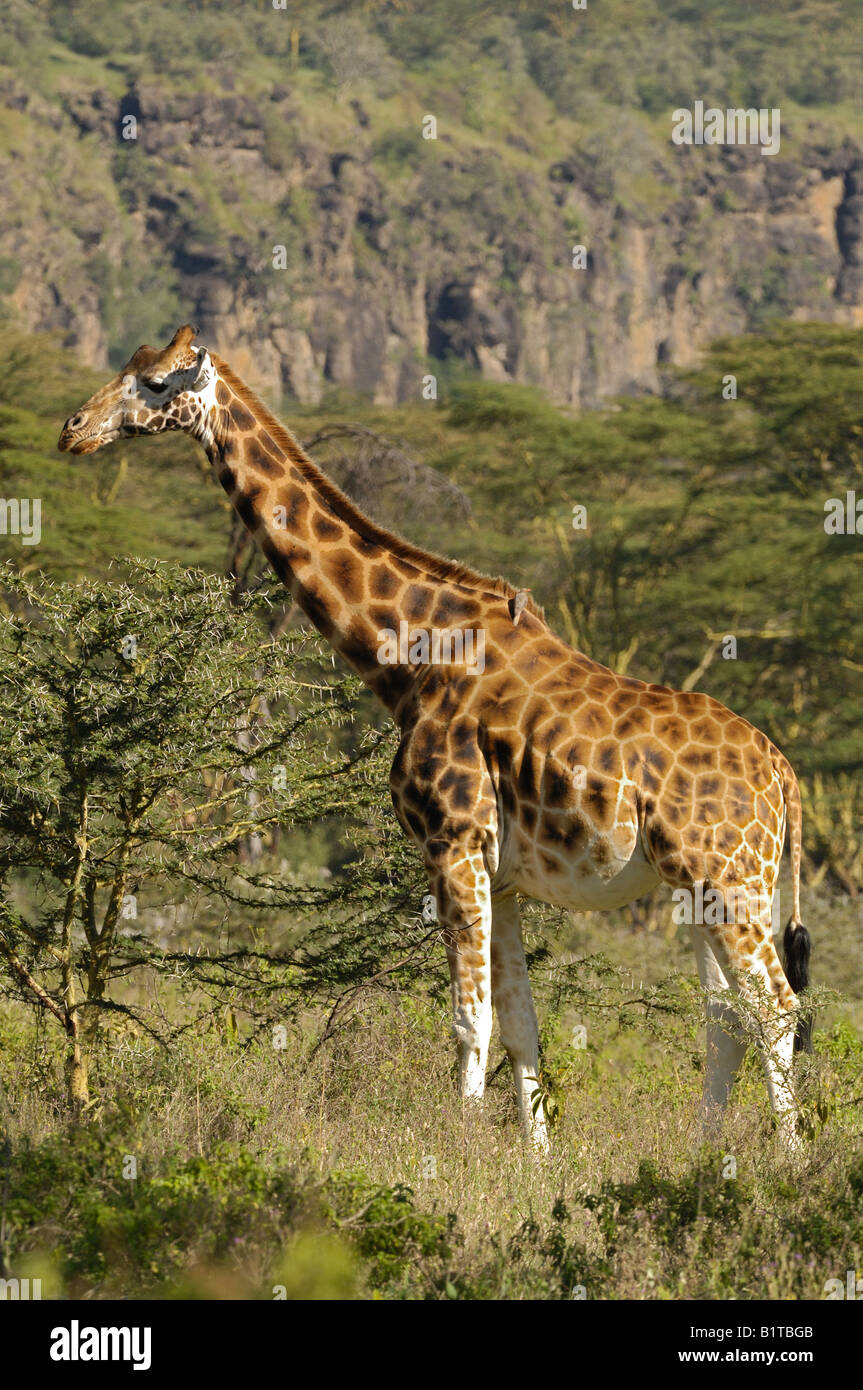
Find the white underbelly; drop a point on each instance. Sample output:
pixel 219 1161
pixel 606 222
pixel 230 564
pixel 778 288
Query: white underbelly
pixel 582 884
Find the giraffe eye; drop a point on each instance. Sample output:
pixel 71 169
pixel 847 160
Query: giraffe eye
pixel 157 387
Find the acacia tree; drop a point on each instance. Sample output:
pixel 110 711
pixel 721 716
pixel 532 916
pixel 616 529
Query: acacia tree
pixel 124 795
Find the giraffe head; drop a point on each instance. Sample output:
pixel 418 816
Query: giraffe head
pixel 167 389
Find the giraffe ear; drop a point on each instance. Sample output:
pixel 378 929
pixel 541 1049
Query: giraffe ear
pixel 203 369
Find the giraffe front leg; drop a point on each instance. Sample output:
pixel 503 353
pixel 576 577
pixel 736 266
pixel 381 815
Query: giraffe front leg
pixel 460 884
pixel 513 1002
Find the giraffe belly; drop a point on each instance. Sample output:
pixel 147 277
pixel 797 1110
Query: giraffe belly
pixel 588 881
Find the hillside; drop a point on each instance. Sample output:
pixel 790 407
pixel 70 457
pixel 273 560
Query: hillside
pixel 153 157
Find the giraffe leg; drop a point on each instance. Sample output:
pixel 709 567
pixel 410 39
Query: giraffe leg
pixel 778 1020
pixel 460 883
pixel 726 1047
pixel 748 957
pixel 513 1003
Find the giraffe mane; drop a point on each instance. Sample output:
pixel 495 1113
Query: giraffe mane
pixel 436 566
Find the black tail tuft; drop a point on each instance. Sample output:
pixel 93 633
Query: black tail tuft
pixel 797 947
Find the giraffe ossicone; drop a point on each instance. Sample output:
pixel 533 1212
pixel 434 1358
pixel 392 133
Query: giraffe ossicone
pixel 544 773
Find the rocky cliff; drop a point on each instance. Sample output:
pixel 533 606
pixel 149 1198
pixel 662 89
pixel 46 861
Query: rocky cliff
pixel 352 251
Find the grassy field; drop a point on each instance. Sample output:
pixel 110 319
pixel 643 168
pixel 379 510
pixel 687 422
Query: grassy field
pixel 274 1168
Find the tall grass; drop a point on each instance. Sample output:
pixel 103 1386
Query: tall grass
pixel 352 1170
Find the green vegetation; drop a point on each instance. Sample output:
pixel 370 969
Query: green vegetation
pixel 227 1168
pixel 154 739
pixel 809 53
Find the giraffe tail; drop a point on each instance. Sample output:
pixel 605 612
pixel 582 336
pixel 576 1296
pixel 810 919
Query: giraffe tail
pixel 796 942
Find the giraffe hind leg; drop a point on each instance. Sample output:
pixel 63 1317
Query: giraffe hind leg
pixel 726 1043
pixel 747 955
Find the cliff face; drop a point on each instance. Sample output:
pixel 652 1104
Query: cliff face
pixel 400 251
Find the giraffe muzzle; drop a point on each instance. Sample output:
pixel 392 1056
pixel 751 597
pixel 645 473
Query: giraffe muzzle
pixel 75 438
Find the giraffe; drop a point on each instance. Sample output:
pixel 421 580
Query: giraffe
pixel 533 771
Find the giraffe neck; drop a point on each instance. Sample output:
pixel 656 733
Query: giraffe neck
pixel 332 559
